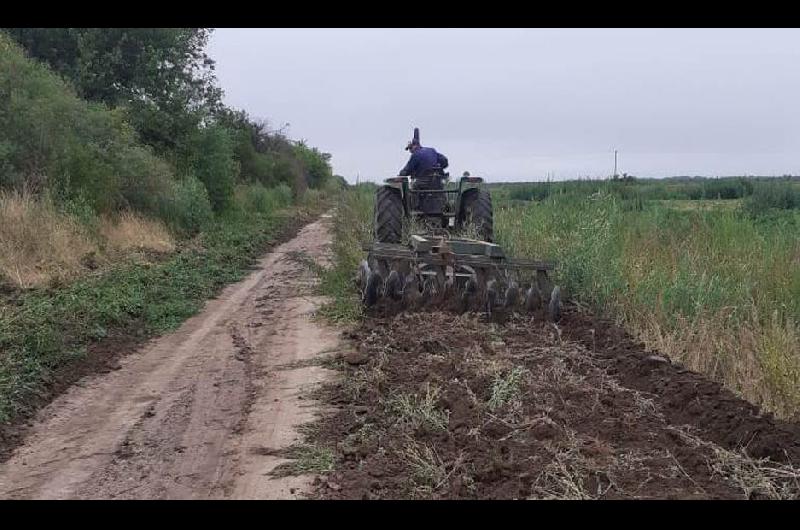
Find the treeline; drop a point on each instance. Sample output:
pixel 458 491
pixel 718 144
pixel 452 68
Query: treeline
pixel 111 119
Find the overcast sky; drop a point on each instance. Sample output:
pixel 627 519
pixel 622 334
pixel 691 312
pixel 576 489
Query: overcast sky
pixel 525 104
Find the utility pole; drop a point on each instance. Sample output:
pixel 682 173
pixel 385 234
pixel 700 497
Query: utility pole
pixel 615 163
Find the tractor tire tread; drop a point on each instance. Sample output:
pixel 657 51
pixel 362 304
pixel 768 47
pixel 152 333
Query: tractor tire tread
pixel 478 206
pixel 388 215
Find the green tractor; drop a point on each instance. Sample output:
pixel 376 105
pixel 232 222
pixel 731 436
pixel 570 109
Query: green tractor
pixel 433 202
pixel 437 262
pixel 449 209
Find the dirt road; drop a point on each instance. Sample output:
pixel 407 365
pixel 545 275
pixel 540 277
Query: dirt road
pixel 196 413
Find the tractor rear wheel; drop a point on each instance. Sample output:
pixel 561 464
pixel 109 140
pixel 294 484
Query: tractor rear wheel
pixel 476 206
pixel 388 215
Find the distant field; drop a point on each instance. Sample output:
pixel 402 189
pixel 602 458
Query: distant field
pixel 651 189
pixel 702 204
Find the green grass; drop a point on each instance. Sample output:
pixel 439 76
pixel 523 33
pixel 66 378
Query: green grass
pixel 418 411
pixel 506 388
pixel 45 331
pixel 352 228
pixel 306 459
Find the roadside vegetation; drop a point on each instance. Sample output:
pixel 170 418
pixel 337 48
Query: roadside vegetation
pixel 124 206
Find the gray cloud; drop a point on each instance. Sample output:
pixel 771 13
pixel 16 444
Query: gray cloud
pixel 524 103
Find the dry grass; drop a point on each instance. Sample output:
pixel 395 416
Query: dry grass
pixel 132 232
pixel 760 361
pixel 428 471
pixel 507 388
pixel 418 411
pixel 567 475
pixel 39 244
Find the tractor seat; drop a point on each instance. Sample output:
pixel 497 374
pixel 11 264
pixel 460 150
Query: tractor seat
pixel 433 179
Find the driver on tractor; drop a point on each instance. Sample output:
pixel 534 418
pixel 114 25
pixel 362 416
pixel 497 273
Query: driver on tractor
pixel 424 167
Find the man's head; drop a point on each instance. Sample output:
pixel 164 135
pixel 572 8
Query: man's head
pixel 412 146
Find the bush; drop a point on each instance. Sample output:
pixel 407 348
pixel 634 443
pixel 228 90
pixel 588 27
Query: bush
pixel 259 199
pixel 187 209
pixel 316 165
pixel 336 183
pixel 775 195
pixel 146 179
pixel 51 139
pixel 253 166
pixel 214 165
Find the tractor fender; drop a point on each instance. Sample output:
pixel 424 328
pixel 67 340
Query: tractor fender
pixel 466 183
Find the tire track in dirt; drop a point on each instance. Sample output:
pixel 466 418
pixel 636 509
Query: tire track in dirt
pixel 198 413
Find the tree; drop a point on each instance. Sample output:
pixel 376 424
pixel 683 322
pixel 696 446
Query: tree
pixel 316 163
pixel 162 76
pixel 213 163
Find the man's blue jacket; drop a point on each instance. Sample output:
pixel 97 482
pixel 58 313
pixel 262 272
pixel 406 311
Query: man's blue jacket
pixel 424 159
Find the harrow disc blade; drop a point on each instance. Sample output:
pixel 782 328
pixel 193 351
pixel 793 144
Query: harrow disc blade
pixel 492 294
pixel 429 290
pixel 469 294
pixel 362 274
pixel 554 307
pixel 411 293
pixel 393 288
pixel 533 299
pixel 511 295
pixel 372 289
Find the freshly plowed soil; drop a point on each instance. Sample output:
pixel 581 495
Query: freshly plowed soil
pixel 440 405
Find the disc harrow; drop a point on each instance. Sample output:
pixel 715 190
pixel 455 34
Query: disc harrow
pixel 465 274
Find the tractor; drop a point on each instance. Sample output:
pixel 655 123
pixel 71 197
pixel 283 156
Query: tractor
pixel 434 241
